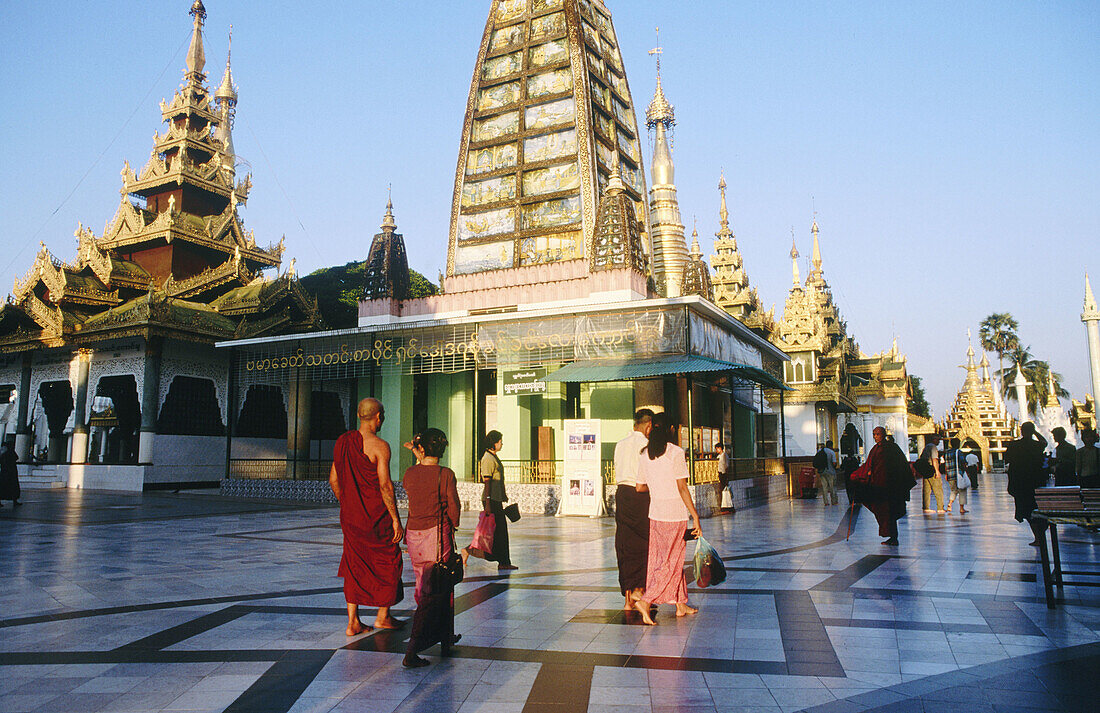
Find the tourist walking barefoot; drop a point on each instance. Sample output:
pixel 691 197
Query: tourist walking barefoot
pixel 663 473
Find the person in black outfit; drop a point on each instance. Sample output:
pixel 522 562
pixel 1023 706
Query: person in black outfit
pixel 9 475
pixel 1065 459
pixel 1026 473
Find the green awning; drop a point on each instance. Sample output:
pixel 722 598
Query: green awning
pixel 629 369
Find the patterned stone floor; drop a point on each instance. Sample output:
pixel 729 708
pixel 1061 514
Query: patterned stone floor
pixel 189 602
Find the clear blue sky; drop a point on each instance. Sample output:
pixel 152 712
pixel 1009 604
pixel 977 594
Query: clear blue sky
pixel 951 148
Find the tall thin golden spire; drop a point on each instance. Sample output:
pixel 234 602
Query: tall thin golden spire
pixel 816 258
pixel 196 57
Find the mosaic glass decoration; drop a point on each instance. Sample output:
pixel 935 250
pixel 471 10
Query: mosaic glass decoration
pixel 496 126
pixel 550 146
pixel 491 158
pixel 549 53
pixel 478 258
pixel 498 96
pixel 561 211
pixel 551 248
pixel 547 26
pixel 556 113
pixel 502 66
pixel 506 37
pixel 508 10
pixel 551 179
pixel 493 190
pixel 480 225
pixel 555 82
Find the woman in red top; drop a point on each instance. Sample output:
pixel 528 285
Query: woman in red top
pixel 433 498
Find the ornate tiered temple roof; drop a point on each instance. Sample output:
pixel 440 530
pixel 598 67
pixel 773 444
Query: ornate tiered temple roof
pixel 618 241
pixel 976 416
pixel 548 116
pixel 670 251
pixel 176 251
pixel 732 291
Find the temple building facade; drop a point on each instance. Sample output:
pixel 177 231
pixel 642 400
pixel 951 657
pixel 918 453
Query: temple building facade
pixel 977 418
pixel 568 299
pixel 836 392
pixel 108 358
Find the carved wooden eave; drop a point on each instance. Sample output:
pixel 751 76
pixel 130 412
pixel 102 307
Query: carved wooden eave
pixel 193 103
pixel 46 269
pixel 179 170
pixel 209 279
pixel 88 255
pixel 50 318
pixel 269 325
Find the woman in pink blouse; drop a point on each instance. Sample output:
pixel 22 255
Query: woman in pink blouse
pixel 662 471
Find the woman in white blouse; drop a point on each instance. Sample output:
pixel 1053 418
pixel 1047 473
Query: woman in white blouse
pixel 662 471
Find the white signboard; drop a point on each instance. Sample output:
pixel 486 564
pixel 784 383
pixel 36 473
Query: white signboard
pixel 582 488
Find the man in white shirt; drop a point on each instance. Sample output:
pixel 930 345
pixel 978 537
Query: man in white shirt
pixel 972 468
pixel 827 477
pixel 632 510
pixel 723 476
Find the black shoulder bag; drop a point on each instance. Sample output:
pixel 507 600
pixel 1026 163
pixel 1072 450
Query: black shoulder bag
pixel 447 570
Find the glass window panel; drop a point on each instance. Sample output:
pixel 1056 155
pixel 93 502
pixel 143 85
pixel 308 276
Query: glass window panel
pixel 591 35
pixel 498 96
pixel 547 26
pixel 562 211
pixel 556 113
pixel 496 126
pixel 549 53
pixel 595 64
pixel 480 225
pixel 502 66
pixel 551 248
pixel 491 158
pixel 493 190
pixel 551 179
pixel 623 114
pixel 605 154
pixel 506 37
pixel 629 147
pixel 605 124
pixel 542 148
pixel 477 258
pixel 632 177
pixel 601 95
pixel 619 83
pixel 508 10
pixel 555 82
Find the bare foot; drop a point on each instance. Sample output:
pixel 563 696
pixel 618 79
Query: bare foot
pixel 685 610
pixel 643 609
pixel 465 552
pixel 389 623
pixel 356 628
pixel 629 606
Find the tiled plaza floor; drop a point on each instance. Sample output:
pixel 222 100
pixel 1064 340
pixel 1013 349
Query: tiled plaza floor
pixel 164 602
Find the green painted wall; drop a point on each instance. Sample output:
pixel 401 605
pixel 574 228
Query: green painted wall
pixel 744 432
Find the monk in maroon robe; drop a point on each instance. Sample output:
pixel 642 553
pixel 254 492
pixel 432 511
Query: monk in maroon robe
pixel 360 478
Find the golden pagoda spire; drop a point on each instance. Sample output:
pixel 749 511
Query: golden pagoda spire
pixel 1052 394
pixel 615 180
pixel 724 230
pixel 388 223
pixel 196 58
pixel 659 111
pixel 796 278
pixel 696 252
pixel 226 99
pixel 985 368
pixel 816 258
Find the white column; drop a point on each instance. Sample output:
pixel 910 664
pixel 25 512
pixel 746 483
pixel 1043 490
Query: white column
pixel 1091 318
pixel 1020 384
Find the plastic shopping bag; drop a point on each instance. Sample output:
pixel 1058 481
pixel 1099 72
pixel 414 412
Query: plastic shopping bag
pixel 483 533
pixel 709 569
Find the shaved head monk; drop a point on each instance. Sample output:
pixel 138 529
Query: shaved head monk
pixel 360 478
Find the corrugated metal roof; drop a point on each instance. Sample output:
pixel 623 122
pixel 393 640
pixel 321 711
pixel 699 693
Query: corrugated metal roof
pixel 629 369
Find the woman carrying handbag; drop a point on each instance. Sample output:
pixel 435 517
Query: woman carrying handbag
pixel 493 498
pixel 434 511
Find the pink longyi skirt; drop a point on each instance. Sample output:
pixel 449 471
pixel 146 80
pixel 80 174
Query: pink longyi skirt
pixel 424 552
pixel 665 583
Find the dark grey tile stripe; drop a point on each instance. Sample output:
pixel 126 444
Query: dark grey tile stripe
pixel 186 630
pixel 280 687
pixel 157 606
pixel 851 574
pixel 1007 618
pixel 908 625
pixel 560 689
pixel 806 644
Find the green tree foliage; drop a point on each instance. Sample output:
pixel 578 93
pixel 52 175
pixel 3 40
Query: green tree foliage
pixel 998 333
pixel 1038 373
pixel 918 402
pixel 339 289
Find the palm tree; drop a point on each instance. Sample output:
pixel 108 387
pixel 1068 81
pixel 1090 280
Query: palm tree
pixel 1038 373
pixel 998 334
